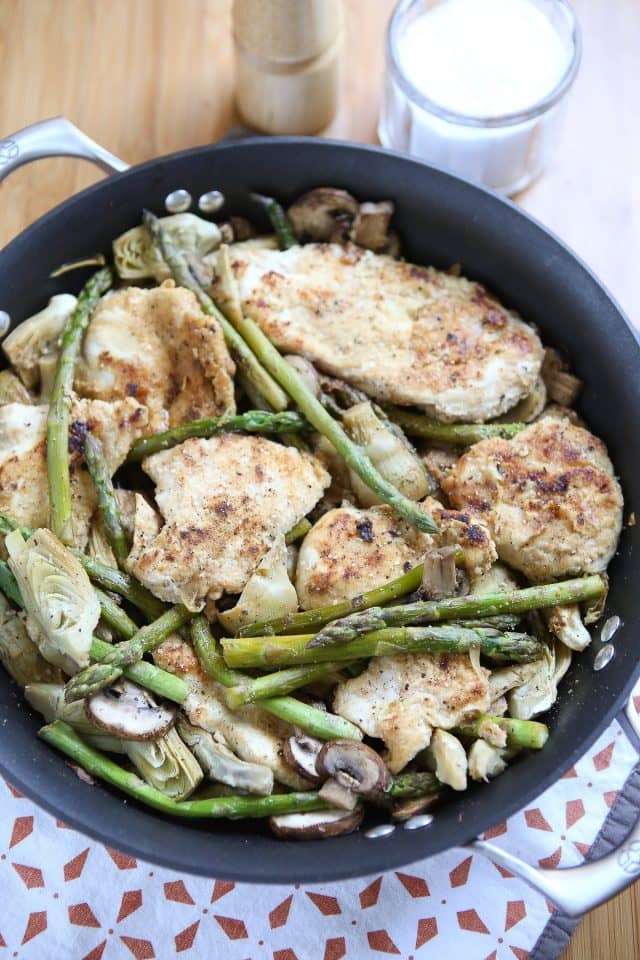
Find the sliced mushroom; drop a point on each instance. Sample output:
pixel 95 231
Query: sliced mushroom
pixel 371 226
pixel 340 796
pixel 127 711
pixel 301 753
pixel 355 766
pixel 316 826
pixel 404 809
pixel 439 573
pixel 325 215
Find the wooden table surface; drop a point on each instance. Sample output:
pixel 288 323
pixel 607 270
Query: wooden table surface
pixel 154 76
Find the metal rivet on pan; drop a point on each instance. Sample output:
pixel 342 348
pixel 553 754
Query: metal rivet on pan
pixel 420 820
pixel 178 201
pixel 382 830
pixel 604 656
pixel 5 322
pixel 211 202
pixel 609 627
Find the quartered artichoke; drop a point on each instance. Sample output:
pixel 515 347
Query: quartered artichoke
pixel 222 765
pixel 62 608
pixel 13 390
pixel 166 764
pixel 136 258
pixel 37 337
pixel 268 594
pixel 18 653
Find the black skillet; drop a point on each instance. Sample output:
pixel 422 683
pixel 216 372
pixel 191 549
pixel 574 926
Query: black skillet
pixel 442 220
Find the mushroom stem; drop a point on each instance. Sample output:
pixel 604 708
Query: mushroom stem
pixel 65 739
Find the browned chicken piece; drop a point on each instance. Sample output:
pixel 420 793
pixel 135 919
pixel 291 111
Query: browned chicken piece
pixel 159 347
pixel 350 551
pixel 440 462
pixel 23 464
pixel 400 700
pixel 403 333
pixel 224 501
pixel 549 497
pixel 252 734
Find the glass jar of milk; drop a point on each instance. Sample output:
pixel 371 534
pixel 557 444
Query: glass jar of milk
pixel 477 86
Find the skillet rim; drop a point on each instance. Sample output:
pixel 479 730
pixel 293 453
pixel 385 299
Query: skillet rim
pixel 295 857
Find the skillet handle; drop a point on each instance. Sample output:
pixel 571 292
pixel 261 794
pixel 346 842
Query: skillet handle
pixel 576 890
pixel 57 137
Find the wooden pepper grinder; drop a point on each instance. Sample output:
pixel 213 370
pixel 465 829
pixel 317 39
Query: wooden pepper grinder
pixel 287 54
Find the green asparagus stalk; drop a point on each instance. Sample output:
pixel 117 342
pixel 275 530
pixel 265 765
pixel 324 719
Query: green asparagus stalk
pixel 279 220
pixel 318 723
pixel 292 383
pixel 107 503
pixel 521 734
pixel 146 674
pixel 458 608
pixel 294 650
pixel 456 434
pixel 248 364
pixel 258 689
pixel 102 674
pixel 309 621
pixel 60 735
pixel 300 530
pixel 103 575
pixel 405 786
pixel 253 421
pixel 60 405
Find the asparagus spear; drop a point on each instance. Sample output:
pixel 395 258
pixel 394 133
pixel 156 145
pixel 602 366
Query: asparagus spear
pixel 417 784
pixel 247 362
pixel 279 220
pixel 253 421
pixel 259 689
pixel 146 674
pixel 455 608
pixel 107 503
pixel 102 674
pixel 522 734
pixel 309 620
pixel 297 532
pixel 318 723
pixel 60 735
pixel 294 650
pixel 289 379
pixel 60 405
pixel 103 575
pixel 456 434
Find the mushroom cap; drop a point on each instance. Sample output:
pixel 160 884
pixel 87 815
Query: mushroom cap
pixel 128 712
pixel 301 753
pixel 324 215
pixel 355 766
pixel 317 825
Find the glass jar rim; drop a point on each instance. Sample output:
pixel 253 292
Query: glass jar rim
pixel 500 120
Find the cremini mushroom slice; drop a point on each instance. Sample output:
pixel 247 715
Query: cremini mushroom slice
pixel 127 711
pixel 409 807
pixel 325 214
pixel 371 226
pixel 354 766
pixel 338 795
pixel 316 826
pixel 439 573
pixel 302 753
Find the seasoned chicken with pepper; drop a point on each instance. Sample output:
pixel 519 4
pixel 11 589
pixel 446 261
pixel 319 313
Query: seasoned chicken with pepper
pixel 549 497
pixel 400 700
pixel 159 347
pixel 23 462
pixel 224 501
pixel 252 734
pixel 402 333
pixel 350 551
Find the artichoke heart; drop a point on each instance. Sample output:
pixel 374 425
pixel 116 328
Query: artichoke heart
pixel 136 258
pixel 12 390
pixel 18 653
pixel 166 764
pixel 37 337
pixel 268 594
pixel 61 605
